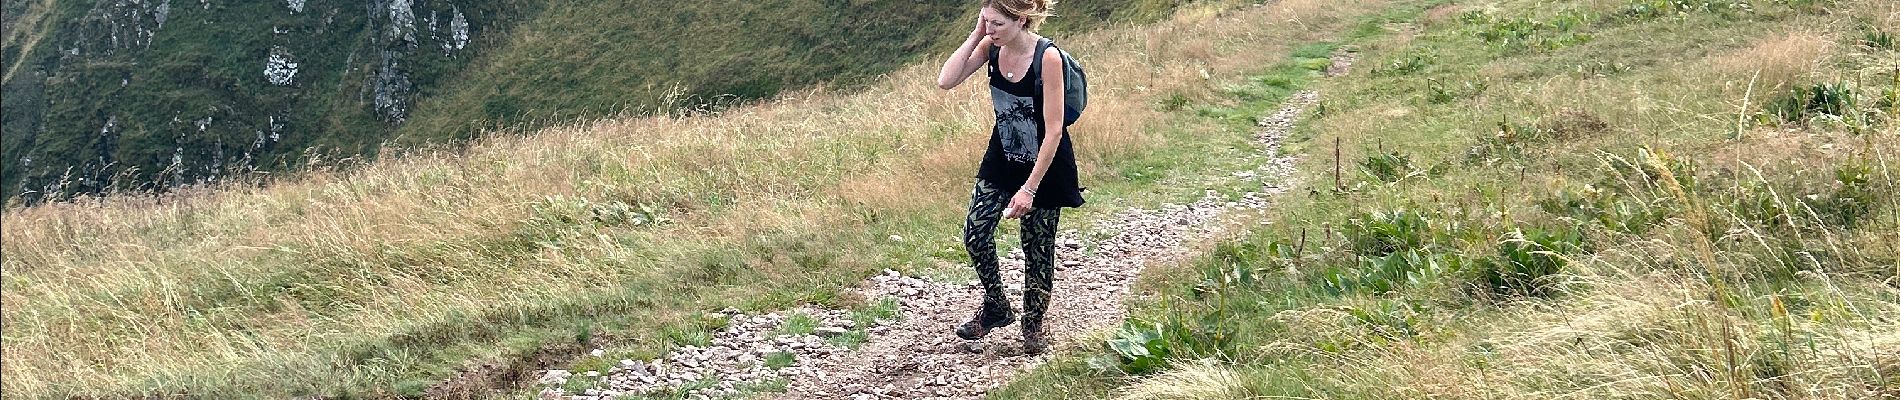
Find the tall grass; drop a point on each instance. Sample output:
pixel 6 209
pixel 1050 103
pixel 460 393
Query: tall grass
pixel 1677 259
pixel 383 279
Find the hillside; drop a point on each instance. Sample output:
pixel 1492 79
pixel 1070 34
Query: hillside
pixel 1648 199
pixel 134 96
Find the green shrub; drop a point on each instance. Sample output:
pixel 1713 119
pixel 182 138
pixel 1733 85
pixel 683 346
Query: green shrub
pixel 1389 167
pixel 1174 102
pixel 1803 104
pixel 1877 39
pixel 1441 92
pixel 1853 198
pixel 1525 261
pixel 1601 68
pixel 1653 9
pixel 1143 346
pixel 1138 348
pixel 1390 319
pixel 1762 204
pixel 1407 64
pixel 1507 142
pixel 1625 213
pixel 1523 33
pixel 1243 263
pixel 1390 273
pixel 692 335
pixel 1379 233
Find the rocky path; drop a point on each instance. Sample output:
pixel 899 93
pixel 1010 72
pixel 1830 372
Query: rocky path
pixel 914 354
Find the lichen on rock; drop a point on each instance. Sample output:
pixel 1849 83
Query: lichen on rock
pixel 280 69
pixel 458 32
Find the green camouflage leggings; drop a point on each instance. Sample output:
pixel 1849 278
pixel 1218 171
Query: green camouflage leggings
pixel 1039 250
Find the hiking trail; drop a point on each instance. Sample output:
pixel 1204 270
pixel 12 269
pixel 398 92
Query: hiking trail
pixel 915 355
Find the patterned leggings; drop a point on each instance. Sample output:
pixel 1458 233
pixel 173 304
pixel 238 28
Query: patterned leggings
pixel 1039 247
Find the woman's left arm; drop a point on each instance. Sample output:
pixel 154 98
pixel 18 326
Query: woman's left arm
pixel 1052 110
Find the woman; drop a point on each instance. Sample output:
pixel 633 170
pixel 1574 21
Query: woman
pixel 1023 175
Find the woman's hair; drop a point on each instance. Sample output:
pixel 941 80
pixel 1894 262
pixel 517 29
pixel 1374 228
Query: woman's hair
pixel 1031 11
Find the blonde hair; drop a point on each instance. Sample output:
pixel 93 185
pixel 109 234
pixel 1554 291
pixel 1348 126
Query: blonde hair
pixel 1031 11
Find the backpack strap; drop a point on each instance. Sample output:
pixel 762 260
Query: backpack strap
pixel 1035 62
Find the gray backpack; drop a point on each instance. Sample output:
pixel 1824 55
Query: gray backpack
pixel 1075 83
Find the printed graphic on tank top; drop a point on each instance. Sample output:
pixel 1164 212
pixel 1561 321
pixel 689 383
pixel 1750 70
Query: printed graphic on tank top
pixel 1016 124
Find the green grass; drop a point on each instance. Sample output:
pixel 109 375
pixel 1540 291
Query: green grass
pixel 863 317
pixel 1527 224
pixel 523 253
pixel 527 66
pixel 798 324
pixel 780 360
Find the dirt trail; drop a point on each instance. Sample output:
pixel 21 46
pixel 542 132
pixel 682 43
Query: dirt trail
pixel 917 356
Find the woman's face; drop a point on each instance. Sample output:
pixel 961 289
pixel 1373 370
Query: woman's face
pixel 1000 28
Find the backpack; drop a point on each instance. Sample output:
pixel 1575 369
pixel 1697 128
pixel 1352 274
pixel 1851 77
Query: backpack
pixel 1075 83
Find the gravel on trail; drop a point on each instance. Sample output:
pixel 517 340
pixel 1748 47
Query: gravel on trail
pixel 915 355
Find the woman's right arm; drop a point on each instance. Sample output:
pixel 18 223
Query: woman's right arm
pixel 966 60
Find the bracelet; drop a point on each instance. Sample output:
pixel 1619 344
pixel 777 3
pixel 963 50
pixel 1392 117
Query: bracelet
pixel 1032 192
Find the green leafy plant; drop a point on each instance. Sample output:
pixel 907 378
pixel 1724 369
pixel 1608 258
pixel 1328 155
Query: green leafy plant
pixel 1623 212
pixel 1389 319
pixel 1525 261
pixel 1390 167
pixel 1378 233
pixel 1407 64
pixel 1803 104
pixel 1441 92
pixel 1523 33
pixel 1853 198
pixel 1174 102
pixel 1601 68
pixel 1390 273
pixel 1139 348
pixel 1875 38
pixel 1652 9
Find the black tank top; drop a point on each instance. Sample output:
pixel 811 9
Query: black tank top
pixel 1017 139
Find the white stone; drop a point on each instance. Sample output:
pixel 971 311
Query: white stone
pixel 555 377
pixel 280 69
pixel 458 31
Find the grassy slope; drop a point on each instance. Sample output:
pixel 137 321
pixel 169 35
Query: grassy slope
pixel 1765 268
pixel 531 64
pixel 384 279
pixel 704 53
pixel 206 63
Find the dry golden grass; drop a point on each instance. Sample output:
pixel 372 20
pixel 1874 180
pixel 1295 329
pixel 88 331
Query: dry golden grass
pixel 1203 379
pixel 1441 14
pixel 1780 60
